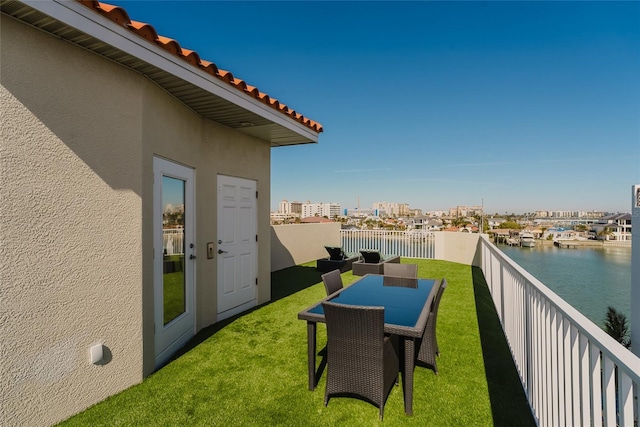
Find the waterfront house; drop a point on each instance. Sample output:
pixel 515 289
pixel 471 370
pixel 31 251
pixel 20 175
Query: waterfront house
pixel 613 227
pixel 102 119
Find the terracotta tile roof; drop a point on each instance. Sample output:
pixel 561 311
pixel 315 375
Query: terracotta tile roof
pixel 119 15
pixel 314 220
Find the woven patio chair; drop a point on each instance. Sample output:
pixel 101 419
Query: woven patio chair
pixel 372 262
pixel 332 281
pixel 401 270
pixel 401 282
pixel 428 346
pixel 362 362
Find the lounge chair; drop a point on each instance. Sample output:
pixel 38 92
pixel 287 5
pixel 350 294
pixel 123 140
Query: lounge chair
pixel 373 262
pixel 337 260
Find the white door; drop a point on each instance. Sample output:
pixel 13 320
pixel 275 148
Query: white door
pixel 174 257
pixel 237 245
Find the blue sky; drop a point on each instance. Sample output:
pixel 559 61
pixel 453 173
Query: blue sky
pixel 523 105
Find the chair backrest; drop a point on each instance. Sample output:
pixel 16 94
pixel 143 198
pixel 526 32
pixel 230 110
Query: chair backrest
pixel 354 330
pixel 436 301
pixel 401 270
pixel 402 282
pixel 335 253
pixel 332 281
pixel 371 256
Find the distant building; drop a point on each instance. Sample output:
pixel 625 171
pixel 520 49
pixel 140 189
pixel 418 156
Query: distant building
pixel 286 207
pixel 355 212
pixel 320 209
pixel 398 209
pixel 464 211
pixel 613 227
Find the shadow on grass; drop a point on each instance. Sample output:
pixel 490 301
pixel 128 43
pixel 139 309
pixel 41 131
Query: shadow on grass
pixel 509 405
pixel 284 282
pixel 290 280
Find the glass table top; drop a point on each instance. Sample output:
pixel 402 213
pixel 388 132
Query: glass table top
pixel 402 305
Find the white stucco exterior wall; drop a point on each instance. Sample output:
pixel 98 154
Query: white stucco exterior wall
pixel 79 134
pixel 71 213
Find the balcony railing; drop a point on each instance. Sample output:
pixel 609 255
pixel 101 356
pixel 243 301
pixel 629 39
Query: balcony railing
pixel 572 371
pixel 419 244
pixel 173 241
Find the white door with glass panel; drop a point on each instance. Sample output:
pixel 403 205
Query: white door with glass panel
pixel 237 247
pixel 174 256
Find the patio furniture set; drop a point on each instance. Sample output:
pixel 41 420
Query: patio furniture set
pixel 366 262
pixel 380 327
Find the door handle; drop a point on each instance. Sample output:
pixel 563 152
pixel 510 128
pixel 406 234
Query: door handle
pixel 192 256
pixel 220 251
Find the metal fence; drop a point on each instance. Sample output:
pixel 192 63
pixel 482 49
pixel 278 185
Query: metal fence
pixel 574 374
pixel 173 241
pixel 405 244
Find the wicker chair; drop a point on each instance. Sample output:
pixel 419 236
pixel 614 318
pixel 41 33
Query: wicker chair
pixel 362 362
pixel 372 262
pixel 428 346
pixel 332 281
pixel 401 270
pixel 401 282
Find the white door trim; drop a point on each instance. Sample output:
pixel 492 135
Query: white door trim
pixel 172 336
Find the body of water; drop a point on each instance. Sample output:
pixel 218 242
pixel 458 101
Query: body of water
pixel 590 279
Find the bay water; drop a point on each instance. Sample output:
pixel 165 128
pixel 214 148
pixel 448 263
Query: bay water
pixel 590 279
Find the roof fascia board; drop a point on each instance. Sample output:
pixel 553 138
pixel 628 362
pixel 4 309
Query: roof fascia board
pixel 92 23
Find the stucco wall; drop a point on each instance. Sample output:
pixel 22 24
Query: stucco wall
pixel 174 132
pixel 293 244
pixel 458 247
pixel 71 212
pixel 76 203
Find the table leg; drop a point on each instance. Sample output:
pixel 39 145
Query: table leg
pixel 407 379
pixel 311 353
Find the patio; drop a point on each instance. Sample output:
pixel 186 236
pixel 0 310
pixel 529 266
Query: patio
pixel 251 369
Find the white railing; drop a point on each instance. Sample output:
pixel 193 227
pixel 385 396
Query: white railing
pixel 574 373
pixel 173 241
pixel 405 244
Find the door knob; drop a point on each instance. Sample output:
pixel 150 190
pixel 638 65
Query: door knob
pixel 192 257
pixel 220 251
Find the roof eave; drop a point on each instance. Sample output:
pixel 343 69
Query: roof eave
pixel 208 96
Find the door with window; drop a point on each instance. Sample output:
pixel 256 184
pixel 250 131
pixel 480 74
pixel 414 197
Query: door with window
pixel 174 257
pixel 237 245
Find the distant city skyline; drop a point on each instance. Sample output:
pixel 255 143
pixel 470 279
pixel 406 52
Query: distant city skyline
pixel 527 105
pixel 550 212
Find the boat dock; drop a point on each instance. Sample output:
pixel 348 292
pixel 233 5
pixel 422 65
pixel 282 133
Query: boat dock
pixel 574 244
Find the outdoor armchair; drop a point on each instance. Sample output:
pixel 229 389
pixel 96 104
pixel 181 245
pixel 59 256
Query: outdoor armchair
pixel 401 270
pixel 332 281
pixel 361 361
pixel 428 345
pixel 372 262
pixel 337 260
pixel 401 282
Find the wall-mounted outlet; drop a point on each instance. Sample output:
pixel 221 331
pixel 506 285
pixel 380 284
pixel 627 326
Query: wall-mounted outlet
pixel 210 250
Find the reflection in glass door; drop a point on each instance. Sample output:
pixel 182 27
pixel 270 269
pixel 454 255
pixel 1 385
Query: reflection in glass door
pixel 173 225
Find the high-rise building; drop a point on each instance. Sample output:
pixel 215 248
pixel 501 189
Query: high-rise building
pixel 320 209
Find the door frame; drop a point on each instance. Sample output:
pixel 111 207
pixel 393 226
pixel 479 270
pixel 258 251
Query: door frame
pixel 171 337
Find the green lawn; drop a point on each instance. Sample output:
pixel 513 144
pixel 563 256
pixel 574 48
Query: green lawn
pixel 252 370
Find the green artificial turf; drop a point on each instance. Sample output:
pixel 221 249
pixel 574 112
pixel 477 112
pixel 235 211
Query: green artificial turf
pixel 252 370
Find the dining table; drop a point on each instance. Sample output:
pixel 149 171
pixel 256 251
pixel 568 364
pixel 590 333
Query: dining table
pixel 406 310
